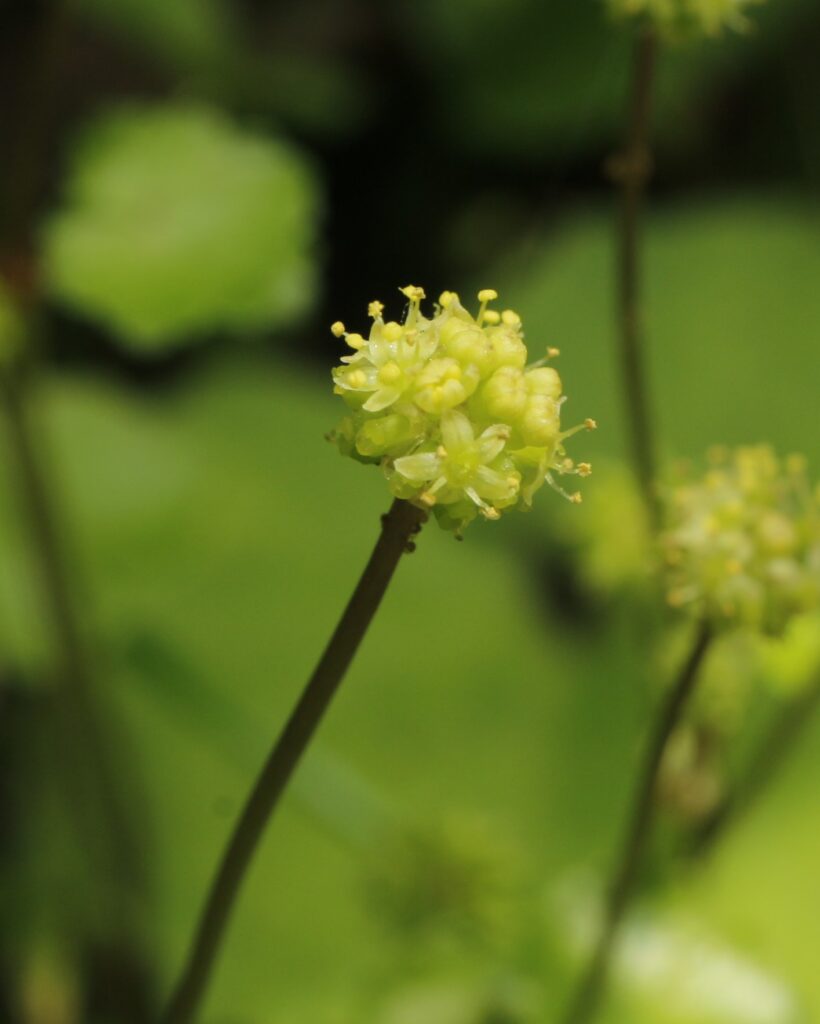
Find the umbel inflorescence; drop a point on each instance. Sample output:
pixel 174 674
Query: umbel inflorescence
pixel 743 541
pixel 687 17
pixel 450 410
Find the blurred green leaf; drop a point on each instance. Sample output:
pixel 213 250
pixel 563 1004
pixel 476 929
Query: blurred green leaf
pixel 732 320
pixel 177 223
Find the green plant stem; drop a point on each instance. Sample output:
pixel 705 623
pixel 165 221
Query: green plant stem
pixel 631 170
pixel 623 883
pixel 762 767
pixel 398 528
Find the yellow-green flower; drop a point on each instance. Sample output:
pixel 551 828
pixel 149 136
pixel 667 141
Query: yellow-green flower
pixel 462 468
pixel 450 410
pixel 686 17
pixel 743 542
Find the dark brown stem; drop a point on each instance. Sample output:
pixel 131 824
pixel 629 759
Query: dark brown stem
pixel 37 498
pixel 26 167
pixel 631 170
pixel 763 766
pixel 84 747
pixel 624 879
pixel 398 527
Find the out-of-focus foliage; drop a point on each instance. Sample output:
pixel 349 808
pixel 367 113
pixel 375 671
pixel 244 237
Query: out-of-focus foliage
pixel 670 969
pixel 204 42
pixel 177 223
pixel 683 17
pixel 725 280
pixel 522 77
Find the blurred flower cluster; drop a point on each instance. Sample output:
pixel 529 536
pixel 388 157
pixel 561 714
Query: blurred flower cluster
pixel 742 544
pixel 454 882
pixel 449 408
pixel 708 17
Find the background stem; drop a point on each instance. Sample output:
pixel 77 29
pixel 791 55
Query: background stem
pixel 84 742
pixel 764 764
pixel 631 170
pixel 625 876
pixel 398 527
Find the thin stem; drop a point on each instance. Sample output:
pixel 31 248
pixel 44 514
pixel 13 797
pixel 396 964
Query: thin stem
pixel 26 168
pixel 38 502
pixel 763 766
pixel 631 170
pixel 398 527
pixel 82 746
pixel 626 874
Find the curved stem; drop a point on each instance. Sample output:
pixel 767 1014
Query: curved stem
pixel 398 527
pixel 625 876
pixel 762 767
pixel 631 170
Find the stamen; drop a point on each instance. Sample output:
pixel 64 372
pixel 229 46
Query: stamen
pixel 484 296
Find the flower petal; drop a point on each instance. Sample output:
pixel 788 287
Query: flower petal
pixel 456 431
pixel 418 468
pixel 494 485
pixel 491 442
pixel 381 399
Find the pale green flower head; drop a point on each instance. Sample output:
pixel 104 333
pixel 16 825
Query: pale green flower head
pixel 689 17
pixel 742 544
pixel 449 408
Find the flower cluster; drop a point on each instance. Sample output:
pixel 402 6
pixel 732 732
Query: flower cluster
pixel 743 543
pixel 682 17
pixel 449 408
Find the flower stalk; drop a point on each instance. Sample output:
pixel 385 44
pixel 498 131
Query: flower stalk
pixel 631 171
pixel 626 875
pixel 772 751
pixel 399 526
